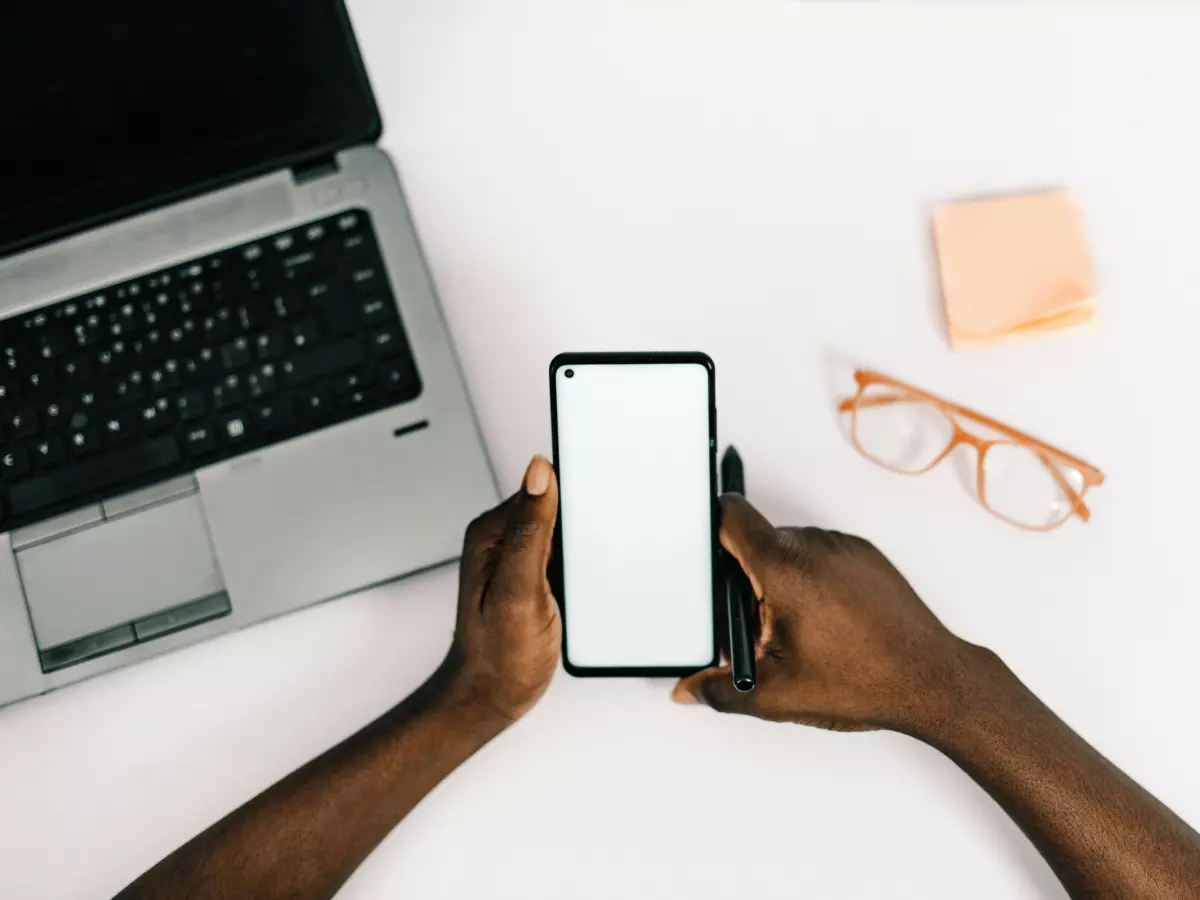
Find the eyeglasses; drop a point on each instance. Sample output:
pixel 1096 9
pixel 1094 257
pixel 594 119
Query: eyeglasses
pixel 1020 479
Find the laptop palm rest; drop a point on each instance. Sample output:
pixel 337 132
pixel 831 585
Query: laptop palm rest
pixel 111 584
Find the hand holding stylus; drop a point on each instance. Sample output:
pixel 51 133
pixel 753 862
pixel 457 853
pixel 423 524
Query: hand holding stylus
pixel 847 644
pixel 844 642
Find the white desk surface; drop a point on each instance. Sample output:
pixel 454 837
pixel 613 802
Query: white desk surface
pixel 754 179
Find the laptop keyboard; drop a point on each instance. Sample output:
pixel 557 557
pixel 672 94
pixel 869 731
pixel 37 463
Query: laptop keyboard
pixel 152 377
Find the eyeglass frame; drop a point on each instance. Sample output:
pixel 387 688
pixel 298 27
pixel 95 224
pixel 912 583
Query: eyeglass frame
pixel 1092 477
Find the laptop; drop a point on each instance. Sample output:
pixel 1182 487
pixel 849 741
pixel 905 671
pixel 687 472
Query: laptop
pixel 226 388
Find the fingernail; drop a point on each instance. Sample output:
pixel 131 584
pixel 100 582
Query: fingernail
pixel 683 696
pixel 537 476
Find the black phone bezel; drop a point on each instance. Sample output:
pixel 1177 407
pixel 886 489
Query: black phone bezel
pixel 557 563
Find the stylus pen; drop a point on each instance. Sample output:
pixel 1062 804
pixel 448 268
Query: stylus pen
pixel 739 595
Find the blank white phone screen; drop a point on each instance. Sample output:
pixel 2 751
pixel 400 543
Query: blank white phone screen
pixel 633 457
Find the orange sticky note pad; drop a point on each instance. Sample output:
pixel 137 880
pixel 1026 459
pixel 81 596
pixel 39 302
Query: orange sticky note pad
pixel 1013 266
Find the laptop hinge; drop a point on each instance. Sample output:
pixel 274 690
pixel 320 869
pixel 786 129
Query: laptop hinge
pixel 312 169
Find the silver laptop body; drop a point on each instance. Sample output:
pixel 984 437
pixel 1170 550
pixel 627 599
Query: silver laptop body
pixel 265 532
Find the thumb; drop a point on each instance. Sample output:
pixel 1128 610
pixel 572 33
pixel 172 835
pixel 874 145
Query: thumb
pixel 714 688
pixel 749 537
pixel 524 548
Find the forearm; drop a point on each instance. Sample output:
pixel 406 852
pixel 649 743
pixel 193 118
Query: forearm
pixel 303 837
pixel 1101 833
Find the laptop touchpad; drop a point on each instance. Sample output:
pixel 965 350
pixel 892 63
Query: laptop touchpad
pixel 119 571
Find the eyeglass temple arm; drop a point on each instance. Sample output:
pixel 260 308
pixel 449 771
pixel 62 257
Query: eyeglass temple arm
pixel 850 403
pixel 1081 508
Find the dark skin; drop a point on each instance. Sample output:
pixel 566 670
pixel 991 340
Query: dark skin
pixel 844 644
pixel 303 837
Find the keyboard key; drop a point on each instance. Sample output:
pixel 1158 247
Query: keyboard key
pixel 166 377
pixel 338 316
pixel 23 423
pixel 253 315
pixel 155 418
pixel 287 305
pixel 48 452
pixel 353 381
pixel 400 380
pixel 269 345
pixel 322 290
pixel 234 430
pixel 376 310
pixel 386 342
pixel 190 405
pixel 258 280
pixel 117 427
pixel 199 440
pixel 78 369
pixel 112 359
pixel 275 416
pixel 236 354
pixel 354 243
pixel 93 475
pixel 132 388
pixel 14 462
pixel 87 335
pixel 51 344
pixel 84 442
pixel 315 403
pixel 366 278
pixel 296 265
pixel 53 415
pixel 305 333
pixel 358 399
pixel 42 383
pixel 262 382
pixel 122 329
pixel 218 326
pixel 227 392
pixel 202 366
pixel 347 354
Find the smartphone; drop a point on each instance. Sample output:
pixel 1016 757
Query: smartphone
pixel 635 564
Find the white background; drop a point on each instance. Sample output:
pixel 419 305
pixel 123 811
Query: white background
pixel 754 179
pixel 635 462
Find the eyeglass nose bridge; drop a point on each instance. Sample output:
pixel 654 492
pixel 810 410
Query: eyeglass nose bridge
pixel 965 437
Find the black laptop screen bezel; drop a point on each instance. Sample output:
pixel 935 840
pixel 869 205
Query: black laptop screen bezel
pixel 89 104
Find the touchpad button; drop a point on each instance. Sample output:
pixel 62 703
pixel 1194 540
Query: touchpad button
pixel 120 571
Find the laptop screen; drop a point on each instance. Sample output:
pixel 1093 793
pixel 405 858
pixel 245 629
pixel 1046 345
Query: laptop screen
pixel 109 108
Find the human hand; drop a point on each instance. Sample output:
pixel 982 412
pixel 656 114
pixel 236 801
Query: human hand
pixel 507 639
pixel 845 643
